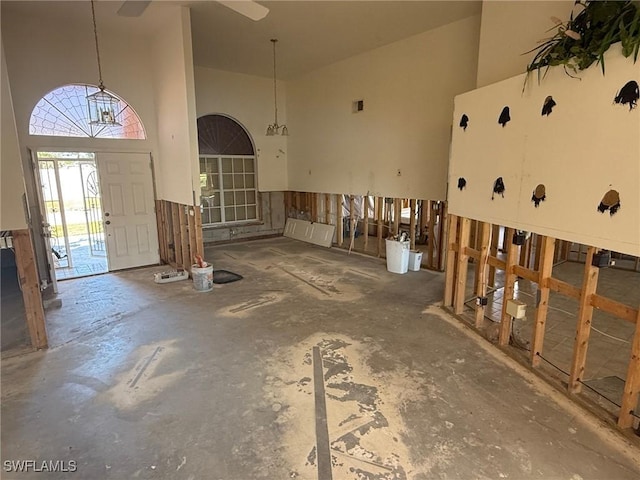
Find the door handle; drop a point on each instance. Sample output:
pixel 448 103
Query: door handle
pixel 108 222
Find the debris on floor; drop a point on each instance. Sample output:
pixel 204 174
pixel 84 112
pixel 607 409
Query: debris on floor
pixel 170 276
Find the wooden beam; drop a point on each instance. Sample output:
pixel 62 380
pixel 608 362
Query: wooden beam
pixel 546 266
pixel 617 309
pixel 563 288
pixel 524 272
pixel 496 263
pixel 583 327
pixel 30 286
pixel 379 227
pixel 327 208
pixel 365 206
pixel 352 222
pixel 472 253
pixel 412 224
pixel 177 238
pixel 339 222
pixel 632 384
pixel 193 243
pixel 449 271
pixel 397 215
pixel 431 235
pixel 463 263
pixel 482 270
pixel 538 252
pixel 160 228
pixel 509 287
pixel 442 215
pixel 423 219
pixel 199 247
pixel 493 252
pixel 184 238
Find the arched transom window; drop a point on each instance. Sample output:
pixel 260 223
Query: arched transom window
pixel 64 112
pixel 227 172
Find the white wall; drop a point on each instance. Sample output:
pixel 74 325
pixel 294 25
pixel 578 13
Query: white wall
pixel 43 55
pixel 510 28
pixel 587 146
pixel 178 169
pixel 249 100
pixel 408 89
pixel 11 182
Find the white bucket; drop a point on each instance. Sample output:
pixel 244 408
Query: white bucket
pixel 202 278
pixel 415 260
pixel 397 256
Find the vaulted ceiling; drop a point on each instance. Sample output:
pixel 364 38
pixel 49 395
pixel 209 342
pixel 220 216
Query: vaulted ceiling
pixel 311 34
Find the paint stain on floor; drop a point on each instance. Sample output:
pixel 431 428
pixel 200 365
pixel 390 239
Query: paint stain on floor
pixel 363 410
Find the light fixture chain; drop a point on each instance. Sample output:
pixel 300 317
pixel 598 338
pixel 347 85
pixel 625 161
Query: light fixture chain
pixel 95 34
pixel 275 90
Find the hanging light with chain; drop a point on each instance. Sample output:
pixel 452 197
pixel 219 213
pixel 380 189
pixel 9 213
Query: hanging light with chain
pixel 102 105
pixel 274 128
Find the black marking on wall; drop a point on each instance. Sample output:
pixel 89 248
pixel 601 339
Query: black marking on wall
pixel 498 187
pixel 629 94
pixel 547 106
pixel 462 183
pixel 611 202
pixel 464 121
pixel 504 117
pixel 539 195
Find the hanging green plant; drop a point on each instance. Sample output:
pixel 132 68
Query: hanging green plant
pixel 584 39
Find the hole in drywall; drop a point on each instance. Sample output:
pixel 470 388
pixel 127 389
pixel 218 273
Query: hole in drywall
pixel 610 201
pixel 547 106
pixel 464 121
pixel 539 195
pixel 505 116
pixel 358 106
pixel 462 182
pixel 628 94
pixel 498 187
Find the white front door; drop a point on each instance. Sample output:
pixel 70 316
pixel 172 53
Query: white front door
pixel 129 209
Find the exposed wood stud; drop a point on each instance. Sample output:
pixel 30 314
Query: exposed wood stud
pixel 509 286
pixel 352 222
pixel 583 328
pixel 546 266
pixel 463 262
pixel 327 208
pixel 339 222
pixel 397 215
pixel 431 235
pixel 191 224
pixel 177 238
pixel 199 246
pixel 379 213
pixel 495 237
pixel 538 252
pixel 449 271
pixel 412 224
pixel 365 207
pixel 632 384
pixel 442 215
pixel 184 237
pixel 30 286
pixel 482 270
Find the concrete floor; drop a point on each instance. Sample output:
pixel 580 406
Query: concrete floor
pixel 159 381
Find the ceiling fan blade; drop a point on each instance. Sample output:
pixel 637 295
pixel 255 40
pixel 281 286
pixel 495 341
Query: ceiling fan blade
pixel 248 8
pixel 133 8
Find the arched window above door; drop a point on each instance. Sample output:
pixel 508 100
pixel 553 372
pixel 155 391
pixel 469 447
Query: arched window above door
pixel 64 112
pixel 221 135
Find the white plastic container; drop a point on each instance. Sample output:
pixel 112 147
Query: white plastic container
pixel 202 278
pixel 415 260
pixel 397 256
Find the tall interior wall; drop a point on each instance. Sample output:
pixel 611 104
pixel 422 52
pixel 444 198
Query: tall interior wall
pixel 408 89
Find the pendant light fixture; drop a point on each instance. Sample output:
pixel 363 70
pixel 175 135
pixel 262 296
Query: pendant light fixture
pixel 274 128
pixel 102 105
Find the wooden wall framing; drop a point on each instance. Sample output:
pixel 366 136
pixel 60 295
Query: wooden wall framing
pixel 426 226
pixel 30 286
pixel 534 261
pixel 179 233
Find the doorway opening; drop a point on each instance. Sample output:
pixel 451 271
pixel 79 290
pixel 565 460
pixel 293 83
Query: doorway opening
pixel 72 204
